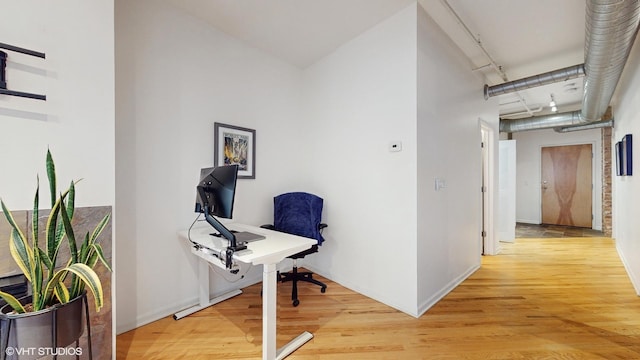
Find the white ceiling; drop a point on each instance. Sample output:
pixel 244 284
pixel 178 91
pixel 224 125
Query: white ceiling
pixel 524 37
pixel 299 32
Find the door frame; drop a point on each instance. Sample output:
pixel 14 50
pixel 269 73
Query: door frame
pixel 487 159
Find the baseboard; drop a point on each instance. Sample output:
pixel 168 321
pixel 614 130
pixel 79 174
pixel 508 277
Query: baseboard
pixel 364 292
pixel 625 263
pixel 422 308
pixel 173 308
pixel 525 221
pixel 156 315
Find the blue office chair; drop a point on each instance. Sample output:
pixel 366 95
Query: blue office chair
pixel 299 213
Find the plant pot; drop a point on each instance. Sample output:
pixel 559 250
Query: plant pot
pixel 29 335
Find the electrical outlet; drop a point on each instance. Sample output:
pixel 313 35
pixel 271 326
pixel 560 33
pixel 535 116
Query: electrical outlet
pixel 395 146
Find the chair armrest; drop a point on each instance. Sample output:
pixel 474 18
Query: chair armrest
pixel 322 226
pixel 268 226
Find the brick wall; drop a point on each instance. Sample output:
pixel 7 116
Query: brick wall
pixel 606 182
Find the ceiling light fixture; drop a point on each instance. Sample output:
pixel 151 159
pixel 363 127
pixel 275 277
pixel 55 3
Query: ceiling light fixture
pixel 552 104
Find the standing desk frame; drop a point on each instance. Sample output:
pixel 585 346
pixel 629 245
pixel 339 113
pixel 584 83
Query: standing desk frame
pixel 267 252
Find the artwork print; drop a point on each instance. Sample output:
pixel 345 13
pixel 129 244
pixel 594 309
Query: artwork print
pixel 236 145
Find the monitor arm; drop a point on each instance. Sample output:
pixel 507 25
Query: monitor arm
pixel 226 233
pixel 233 244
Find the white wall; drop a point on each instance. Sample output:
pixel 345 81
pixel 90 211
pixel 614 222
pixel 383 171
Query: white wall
pixel 450 102
pixel 357 100
pixel 626 190
pixel 391 237
pixel 529 146
pixel 173 82
pixel 76 121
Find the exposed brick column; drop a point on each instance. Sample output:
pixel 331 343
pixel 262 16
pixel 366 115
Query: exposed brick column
pixel 606 182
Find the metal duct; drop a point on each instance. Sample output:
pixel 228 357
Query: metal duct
pixel 587 126
pixel 542 122
pixel 550 77
pixel 611 28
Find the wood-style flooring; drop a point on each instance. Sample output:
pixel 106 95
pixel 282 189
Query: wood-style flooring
pixel 542 298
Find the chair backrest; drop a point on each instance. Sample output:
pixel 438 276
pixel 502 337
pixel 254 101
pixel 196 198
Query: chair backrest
pixel 298 213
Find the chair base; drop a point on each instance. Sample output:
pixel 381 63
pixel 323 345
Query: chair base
pixel 295 276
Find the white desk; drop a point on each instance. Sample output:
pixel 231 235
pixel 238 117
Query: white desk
pixel 268 253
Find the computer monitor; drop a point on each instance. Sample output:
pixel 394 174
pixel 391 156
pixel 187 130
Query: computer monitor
pixel 215 196
pixel 216 190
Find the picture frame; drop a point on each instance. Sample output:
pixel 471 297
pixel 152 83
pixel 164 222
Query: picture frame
pixel 619 166
pixel 627 155
pixel 235 145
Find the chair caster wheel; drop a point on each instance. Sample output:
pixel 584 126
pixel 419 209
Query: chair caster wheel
pixel 323 290
pixel 296 302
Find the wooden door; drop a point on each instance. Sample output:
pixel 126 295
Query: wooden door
pixel 566 185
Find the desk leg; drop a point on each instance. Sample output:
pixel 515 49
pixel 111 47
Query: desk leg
pixel 203 292
pixel 269 319
pixel 269 312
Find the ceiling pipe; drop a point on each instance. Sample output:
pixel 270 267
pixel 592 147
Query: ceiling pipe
pixel 542 122
pixel 520 113
pixel 550 77
pixel 492 63
pixel 469 33
pixel 611 29
pixel 587 126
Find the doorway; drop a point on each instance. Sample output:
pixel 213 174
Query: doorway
pixel 488 243
pixel 566 185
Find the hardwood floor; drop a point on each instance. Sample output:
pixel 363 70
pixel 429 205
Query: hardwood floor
pixel 564 298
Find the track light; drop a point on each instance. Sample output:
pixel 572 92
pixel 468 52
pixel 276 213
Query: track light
pixel 552 104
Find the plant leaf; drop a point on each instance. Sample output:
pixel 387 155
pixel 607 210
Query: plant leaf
pixel 62 293
pixel 51 236
pixel 84 250
pixel 36 288
pixel 71 237
pixel 13 302
pixel 21 253
pixel 45 259
pixel 88 277
pixel 12 222
pixel 71 200
pixel 97 253
pixel 35 219
pixel 51 175
pixel 98 230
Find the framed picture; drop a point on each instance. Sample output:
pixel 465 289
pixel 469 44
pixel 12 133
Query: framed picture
pixel 627 155
pixel 619 166
pixel 236 145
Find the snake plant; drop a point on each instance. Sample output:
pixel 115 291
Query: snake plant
pixel 51 285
